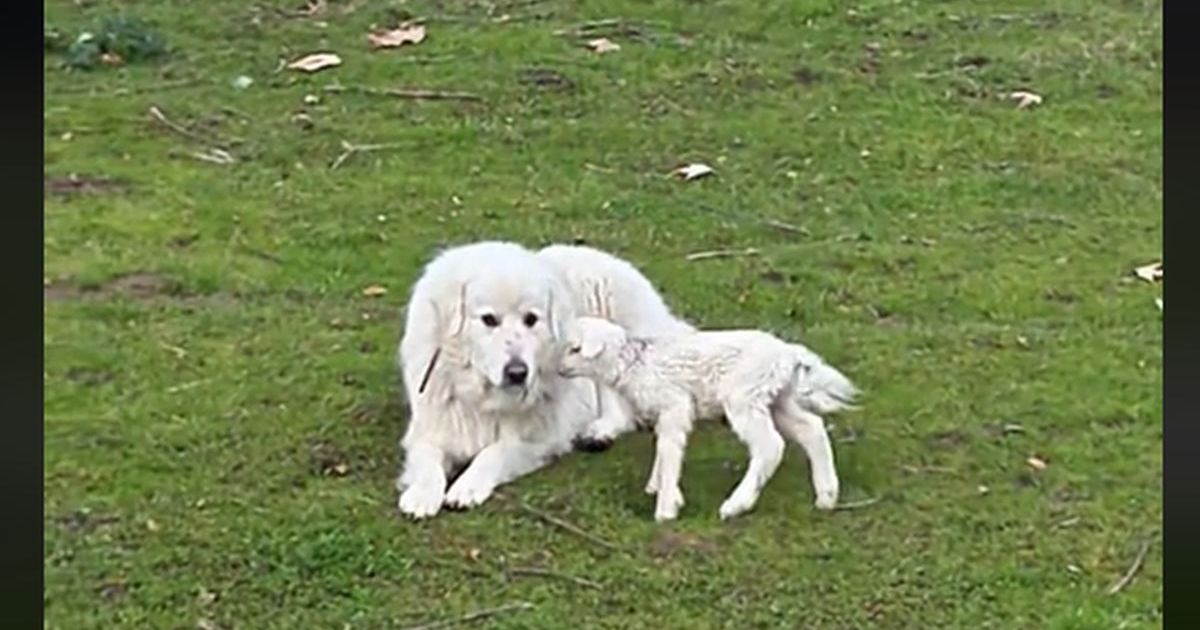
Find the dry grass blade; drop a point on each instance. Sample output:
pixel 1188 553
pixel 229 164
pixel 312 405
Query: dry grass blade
pixel 473 616
pixel 349 150
pixel 158 116
pixel 430 95
pixel 536 572
pixel 722 253
pixel 856 505
pixel 1120 584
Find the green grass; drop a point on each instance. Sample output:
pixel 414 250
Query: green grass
pixel 971 271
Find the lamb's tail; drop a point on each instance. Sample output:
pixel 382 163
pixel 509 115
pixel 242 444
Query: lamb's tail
pixel 819 387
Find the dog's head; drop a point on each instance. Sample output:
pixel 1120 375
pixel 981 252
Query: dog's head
pixel 592 349
pixel 507 327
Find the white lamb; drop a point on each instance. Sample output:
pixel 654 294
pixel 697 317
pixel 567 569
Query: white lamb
pixel 764 386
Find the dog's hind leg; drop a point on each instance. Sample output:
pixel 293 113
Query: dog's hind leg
pixel 751 419
pixel 808 430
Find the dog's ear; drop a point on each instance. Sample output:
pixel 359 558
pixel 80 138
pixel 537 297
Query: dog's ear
pixel 460 311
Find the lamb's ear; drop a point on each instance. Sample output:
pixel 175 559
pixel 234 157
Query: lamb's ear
pixel 591 348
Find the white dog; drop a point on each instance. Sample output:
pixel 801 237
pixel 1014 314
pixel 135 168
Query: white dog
pixel 762 384
pixel 479 362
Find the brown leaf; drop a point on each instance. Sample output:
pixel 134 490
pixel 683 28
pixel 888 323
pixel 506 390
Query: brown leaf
pixel 474 554
pixel 152 525
pixel 1036 463
pixel 111 59
pixel 1150 273
pixel 406 33
pixel 375 291
pixel 315 62
pixel 602 45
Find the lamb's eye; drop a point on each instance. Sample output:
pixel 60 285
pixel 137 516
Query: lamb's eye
pixel 531 320
pixel 489 320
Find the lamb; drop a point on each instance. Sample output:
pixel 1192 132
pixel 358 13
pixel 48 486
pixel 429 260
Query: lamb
pixel 764 386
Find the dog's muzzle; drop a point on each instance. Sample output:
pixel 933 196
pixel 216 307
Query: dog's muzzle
pixel 516 373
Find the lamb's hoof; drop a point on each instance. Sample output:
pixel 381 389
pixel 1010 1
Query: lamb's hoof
pixel 592 444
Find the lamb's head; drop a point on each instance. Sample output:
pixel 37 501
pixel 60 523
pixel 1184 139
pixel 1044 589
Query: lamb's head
pixel 592 349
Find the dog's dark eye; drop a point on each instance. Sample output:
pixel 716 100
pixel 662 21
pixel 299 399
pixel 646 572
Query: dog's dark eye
pixel 531 320
pixel 490 320
pixel 574 350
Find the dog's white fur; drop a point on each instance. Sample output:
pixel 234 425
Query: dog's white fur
pixel 452 361
pixel 763 385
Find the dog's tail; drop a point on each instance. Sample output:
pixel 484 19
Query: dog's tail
pixel 819 387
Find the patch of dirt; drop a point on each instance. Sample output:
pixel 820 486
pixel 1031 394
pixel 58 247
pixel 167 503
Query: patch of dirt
pixel 184 241
pixel 546 78
pixel 83 521
pixel 805 75
pixel 74 184
pixel 668 543
pixel 138 286
pixel 972 61
pixel 947 439
pixel 328 460
pixel 88 377
pixel 113 591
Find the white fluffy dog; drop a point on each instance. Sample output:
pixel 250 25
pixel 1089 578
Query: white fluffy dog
pixel 479 360
pixel 762 384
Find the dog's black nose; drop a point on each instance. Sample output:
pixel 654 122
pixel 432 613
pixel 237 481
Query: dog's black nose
pixel 515 372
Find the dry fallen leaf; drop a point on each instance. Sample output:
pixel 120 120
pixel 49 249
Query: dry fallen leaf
pixel 152 525
pixel 602 45
pixel 1025 99
pixel 688 172
pixel 1036 463
pixel 474 554
pixel 983 489
pixel 374 291
pixel 315 62
pixel 111 59
pixel 340 469
pixel 406 33
pixel 1150 273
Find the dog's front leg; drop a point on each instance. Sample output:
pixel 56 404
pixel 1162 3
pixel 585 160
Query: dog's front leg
pixel 616 417
pixel 501 462
pixel 422 485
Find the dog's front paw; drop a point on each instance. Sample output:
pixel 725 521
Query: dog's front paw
pixel 421 500
pixel 668 504
pixel 466 493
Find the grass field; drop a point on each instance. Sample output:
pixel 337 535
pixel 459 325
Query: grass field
pixel 221 410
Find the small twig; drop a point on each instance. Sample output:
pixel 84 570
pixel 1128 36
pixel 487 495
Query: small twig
pixel 536 572
pixel 429 95
pixel 214 156
pixel 158 115
pixel 574 529
pixel 787 227
pixel 1120 584
pixel 351 149
pixel 854 505
pixel 474 616
pixel 179 353
pixel 456 566
pixel 723 253
pixel 258 253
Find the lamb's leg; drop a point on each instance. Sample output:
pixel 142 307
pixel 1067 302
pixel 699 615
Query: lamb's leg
pixel 808 430
pixel 616 419
pixel 751 420
pixel 672 431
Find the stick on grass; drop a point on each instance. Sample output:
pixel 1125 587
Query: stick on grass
pixel 572 528
pixel 1120 584
pixel 474 616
